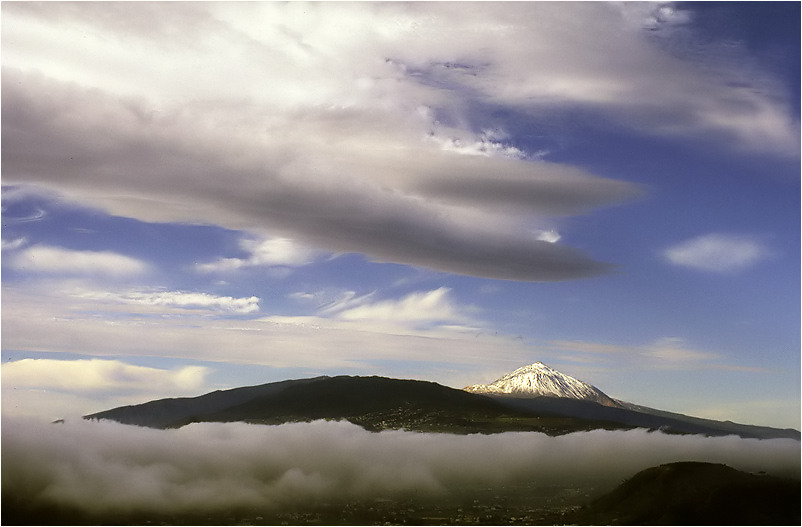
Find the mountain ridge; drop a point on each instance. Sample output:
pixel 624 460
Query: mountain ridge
pixel 538 387
pixel 374 403
pixel 381 403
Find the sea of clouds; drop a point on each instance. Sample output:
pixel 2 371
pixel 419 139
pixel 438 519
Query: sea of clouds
pixel 107 467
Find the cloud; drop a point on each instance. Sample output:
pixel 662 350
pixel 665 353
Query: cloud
pixel 671 353
pixel 382 199
pixel 673 350
pixel 486 145
pixel 178 299
pixel 657 16
pixel 97 375
pixel 426 307
pixel 50 318
pixel 269 253
pixel 424 314
pixel 57 260
pixel 14 244
pixel 107 467
pixel 717 253
pixel 38 215
pixel 550 236
pixel 365 141
pixel 58 388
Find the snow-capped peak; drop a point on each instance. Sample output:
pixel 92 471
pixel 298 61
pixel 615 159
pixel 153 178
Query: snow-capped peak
pixel 538 380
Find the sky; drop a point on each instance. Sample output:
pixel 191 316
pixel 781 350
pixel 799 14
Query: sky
pixel 199 196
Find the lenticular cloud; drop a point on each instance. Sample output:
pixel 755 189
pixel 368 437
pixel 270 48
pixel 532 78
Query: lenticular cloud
pixel 107 467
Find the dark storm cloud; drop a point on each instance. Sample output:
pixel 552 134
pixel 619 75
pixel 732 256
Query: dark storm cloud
pixel 107 467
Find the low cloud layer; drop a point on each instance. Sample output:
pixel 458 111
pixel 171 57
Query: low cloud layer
pixel 107 467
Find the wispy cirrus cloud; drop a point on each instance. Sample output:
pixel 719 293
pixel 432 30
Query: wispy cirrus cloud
pixel 173 299
pixel 419 312
pixel 431 316
pixel 83 320
pixel 14 244
pixel 718 253
pixel 425 307
pixel 674 351
pixel 664 353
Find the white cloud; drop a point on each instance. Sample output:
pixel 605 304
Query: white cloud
pixel 550 236
pixel 14 244
pixel 416 308
pixel 56 260
pixel 672 353
pixel 717 253
pixel 431 315
pixel 54 388
pixel 345 151
pixel 179 299
pixel 49 320
pixel 487 144
pixel 654 15
pixel 204 467
pixel 673 350
pixel 419 313
pixel 268 253
pixel 96 375
pixel 337 301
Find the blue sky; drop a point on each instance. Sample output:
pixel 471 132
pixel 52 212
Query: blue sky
pixel 202 196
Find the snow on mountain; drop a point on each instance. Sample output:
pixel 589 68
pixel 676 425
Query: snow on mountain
pixel 538 380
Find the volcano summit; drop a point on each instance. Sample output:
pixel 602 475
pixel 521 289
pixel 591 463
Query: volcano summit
pixel 538 380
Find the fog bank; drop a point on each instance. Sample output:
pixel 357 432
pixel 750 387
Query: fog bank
pixel 105 466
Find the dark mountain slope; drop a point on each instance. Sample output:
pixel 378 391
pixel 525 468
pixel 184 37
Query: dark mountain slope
pixel 379 403
pixel 346 396
pixel 375 403
pixel 760 432
pixel 641 417
pixel 167 413
pixel 692 493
